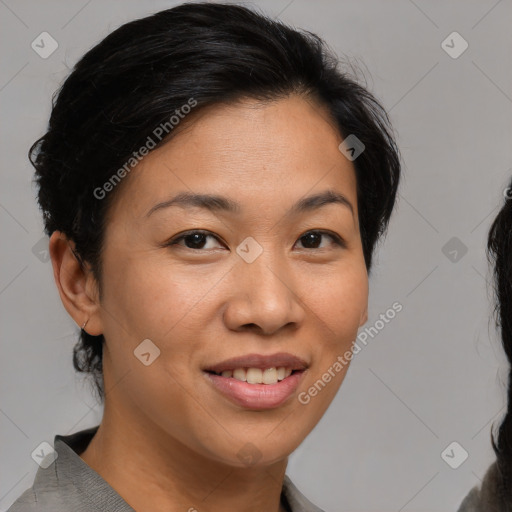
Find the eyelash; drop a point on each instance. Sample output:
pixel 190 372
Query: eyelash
pixel 334 237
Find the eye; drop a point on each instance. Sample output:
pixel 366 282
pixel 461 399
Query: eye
pixel 312 239
pixel 198 240
pixel 194 240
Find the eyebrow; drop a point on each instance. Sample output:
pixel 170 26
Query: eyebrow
pixel 216 203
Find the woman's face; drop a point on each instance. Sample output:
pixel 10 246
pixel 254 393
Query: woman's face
pixel 255 282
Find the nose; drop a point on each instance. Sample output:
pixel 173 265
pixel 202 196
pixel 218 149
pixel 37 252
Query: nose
pixel 264 297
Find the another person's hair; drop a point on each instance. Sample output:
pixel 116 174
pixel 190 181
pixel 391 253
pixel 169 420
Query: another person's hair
pixel 499 252
pixel 140 74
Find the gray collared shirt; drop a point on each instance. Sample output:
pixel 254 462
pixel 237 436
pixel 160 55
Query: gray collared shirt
pixel 70 485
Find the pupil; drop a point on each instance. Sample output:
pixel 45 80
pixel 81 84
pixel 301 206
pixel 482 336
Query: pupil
pixel 311 237
pixel 197 240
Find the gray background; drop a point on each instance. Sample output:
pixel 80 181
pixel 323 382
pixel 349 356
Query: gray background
pixel 435 374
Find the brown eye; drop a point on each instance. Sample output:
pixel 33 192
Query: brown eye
pixel 313 239
pixel 195 240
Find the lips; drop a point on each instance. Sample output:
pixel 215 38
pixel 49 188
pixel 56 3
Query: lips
pixel 263 362
pixel 256 396
pixel 285 372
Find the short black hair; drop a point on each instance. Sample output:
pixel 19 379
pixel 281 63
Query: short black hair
pixel 138 76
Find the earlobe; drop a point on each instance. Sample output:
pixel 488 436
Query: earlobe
pixel 73 282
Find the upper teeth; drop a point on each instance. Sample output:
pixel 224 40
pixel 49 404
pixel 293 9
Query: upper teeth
pixel 257 375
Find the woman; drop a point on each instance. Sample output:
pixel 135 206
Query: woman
pixel 213 188
pixel 495 492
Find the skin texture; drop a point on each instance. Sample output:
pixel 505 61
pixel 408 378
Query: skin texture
pixel 168 439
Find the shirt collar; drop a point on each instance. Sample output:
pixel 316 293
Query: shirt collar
pixel 70 469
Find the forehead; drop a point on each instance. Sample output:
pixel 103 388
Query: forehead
pixel 258 153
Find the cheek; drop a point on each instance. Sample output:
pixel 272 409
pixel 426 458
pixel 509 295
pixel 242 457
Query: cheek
pixel 339 304
pixel 152 300
pixel 170 307
pixel 340 300
pixel 146 302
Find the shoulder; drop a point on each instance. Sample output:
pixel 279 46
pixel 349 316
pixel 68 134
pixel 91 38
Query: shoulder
pixel 47 495
pixel 27 502
pixel 32 501
pixel 55 488
pixel 486 497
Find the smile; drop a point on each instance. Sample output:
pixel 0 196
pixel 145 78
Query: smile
pixel 257 395
pixel 257 375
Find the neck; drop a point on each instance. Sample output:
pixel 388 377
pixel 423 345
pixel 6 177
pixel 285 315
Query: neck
pixel 157 472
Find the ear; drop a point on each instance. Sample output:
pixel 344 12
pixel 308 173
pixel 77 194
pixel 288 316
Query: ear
pixel 77 287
